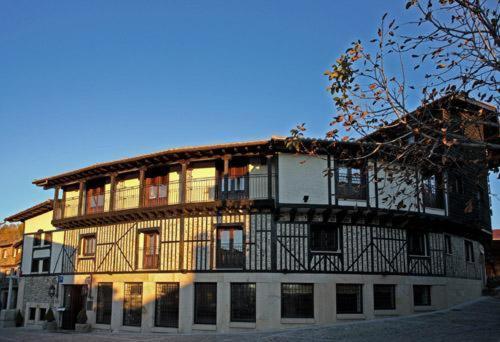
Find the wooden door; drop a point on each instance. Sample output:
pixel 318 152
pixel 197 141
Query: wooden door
pixel 73 302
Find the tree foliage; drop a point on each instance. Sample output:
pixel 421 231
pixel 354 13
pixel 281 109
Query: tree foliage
pixel 445 60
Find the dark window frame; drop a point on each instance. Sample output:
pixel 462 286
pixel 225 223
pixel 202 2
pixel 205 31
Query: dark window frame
pixel 320 244
pixel 37 238
pixel 416 249
pixel 358 301
pixel 103 312
pixel 129 312
pixel 250 303
pixel 169 322
pixel 433 192
pixel 45 262
pixel 351 185
pixel 428 295
pixel 469 251
pixel 32 314
pixel 230 257
pixel 151 261
pixel 379 303
pixel 47 238
pixel 207 306
pixel 292 307
pixel 83 245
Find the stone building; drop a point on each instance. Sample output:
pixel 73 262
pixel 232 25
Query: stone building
pixel 249 235
pixel 10 261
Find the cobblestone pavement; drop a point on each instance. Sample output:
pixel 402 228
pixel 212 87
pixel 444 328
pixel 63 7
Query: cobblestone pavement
pixel 475 321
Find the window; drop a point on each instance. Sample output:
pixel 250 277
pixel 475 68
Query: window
pixel 384 297
pixel 421 295
pixel 37 238
pixel 95 199
pixel 87 245
pixel 43 311
pixel 469 251
pixel 351 183
pixel 32 314
pixel 46 265
pixel 205 303
pixel 447 245
pixel 104 303
pixel 417 243
pixel 297 300
pixel 44 262
pixel 433 192
pixel 236 182
pixel 242 302
pixel 167 305
pixel 4 253
pixel 47 239
pixel 156 190
pixel 150 253
pixel 34 265
pixel 324 238
pixel 132 304
pixel 349 299
pixel 230 247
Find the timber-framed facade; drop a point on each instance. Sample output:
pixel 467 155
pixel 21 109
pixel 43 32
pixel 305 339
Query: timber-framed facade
pixel 249 236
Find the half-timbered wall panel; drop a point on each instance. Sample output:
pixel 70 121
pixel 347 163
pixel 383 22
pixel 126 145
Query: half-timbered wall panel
pixel 292 246
pixel 260 242
pixel 170 240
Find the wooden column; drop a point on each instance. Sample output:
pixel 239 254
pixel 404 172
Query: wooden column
pixel 142 185
pixel 184 165
pixel 269 163
pixel 112 191
pixel 80 198
pixel 57 205
pixel 225 174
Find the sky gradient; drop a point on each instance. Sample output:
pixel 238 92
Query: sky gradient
pixel 93 81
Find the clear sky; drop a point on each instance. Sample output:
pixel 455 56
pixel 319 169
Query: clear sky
pixel 92 81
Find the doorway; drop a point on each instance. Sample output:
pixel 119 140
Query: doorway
pixel 74 301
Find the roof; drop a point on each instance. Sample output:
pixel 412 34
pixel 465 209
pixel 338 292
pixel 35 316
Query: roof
pixel 38 209
pixel 496 234
pixel 154 158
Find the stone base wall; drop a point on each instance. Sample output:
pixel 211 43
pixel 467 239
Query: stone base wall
pixel 445 292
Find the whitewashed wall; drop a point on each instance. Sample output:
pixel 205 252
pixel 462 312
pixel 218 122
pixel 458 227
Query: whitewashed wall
pixel 301 176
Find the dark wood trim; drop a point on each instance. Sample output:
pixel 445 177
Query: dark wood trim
pixel 81 191
pixel 112 191
pixel 142 173
pixel 329 175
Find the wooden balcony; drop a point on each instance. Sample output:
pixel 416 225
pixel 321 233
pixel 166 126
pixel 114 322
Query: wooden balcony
pixel 171 195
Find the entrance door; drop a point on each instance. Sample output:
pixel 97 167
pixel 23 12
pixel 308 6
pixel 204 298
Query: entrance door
pixel 73 302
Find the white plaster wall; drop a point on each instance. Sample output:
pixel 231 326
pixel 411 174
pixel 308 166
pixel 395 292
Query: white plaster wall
pixel 300 176
pixel 395 191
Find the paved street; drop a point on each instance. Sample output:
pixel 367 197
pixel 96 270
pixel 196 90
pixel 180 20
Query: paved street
pixel 476 321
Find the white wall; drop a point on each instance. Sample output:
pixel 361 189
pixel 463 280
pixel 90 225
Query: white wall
pixel 300 176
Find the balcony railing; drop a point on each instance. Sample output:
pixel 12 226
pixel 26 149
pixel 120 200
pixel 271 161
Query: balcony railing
pixel 197 190
pixel 230 256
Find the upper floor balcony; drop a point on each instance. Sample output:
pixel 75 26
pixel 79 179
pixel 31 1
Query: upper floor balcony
pixel 176 185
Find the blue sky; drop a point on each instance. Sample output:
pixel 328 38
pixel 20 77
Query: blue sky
pixel 85 82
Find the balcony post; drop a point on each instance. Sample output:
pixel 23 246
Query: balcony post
pixel 80 198
pixel 184 165
pixel 112 191
pixel 57 204
pixel 142 175
pixel 225 174
pixel 269 163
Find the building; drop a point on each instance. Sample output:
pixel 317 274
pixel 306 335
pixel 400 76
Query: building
pixel 249 235
pixel 493 264
pixel 10 261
